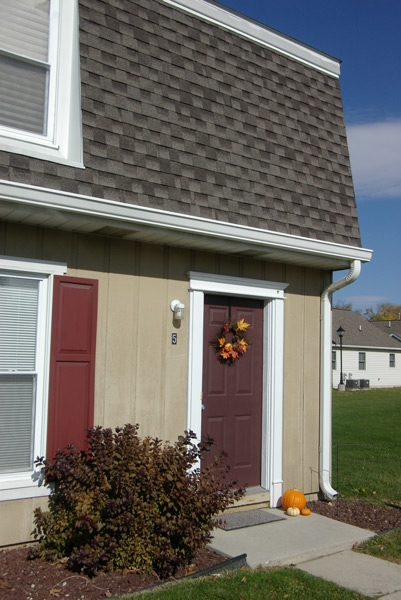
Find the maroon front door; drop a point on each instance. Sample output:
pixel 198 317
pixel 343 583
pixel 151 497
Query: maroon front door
pixel 232 393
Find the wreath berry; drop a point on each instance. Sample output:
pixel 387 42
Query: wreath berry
pixel 230 351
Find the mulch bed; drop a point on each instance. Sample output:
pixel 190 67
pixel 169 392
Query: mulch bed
pixel 362 514
pixel 23 579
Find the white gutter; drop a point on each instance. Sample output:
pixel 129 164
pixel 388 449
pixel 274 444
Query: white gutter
pixel 325 378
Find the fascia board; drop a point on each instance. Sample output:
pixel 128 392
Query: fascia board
pixel 143 217
pixel 260 34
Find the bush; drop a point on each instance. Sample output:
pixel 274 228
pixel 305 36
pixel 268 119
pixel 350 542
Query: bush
pixel 129 502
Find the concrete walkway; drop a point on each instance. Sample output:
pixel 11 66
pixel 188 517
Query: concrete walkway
pixel 317 545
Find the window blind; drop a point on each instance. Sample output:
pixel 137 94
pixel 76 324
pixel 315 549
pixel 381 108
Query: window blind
pixel 24 68
pixel 17 405
pixel 18 341
pixel 18 323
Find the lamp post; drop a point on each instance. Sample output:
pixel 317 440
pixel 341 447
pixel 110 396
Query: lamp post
pixel 340 333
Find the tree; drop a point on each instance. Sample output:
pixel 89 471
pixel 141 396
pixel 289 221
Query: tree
pixel 342 305
pixel 383 312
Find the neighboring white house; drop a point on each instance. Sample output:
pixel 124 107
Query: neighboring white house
pixel 371 357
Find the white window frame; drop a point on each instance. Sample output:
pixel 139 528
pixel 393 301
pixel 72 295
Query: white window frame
pixel 273 364
pixel 63 143
pixel 391 360
pixel 25 484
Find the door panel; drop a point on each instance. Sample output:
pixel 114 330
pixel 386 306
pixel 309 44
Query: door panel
pixel 232 394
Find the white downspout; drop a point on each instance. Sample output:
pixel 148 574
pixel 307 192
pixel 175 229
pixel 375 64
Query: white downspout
pixel 326 377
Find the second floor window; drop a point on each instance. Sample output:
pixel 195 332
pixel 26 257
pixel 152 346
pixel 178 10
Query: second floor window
pixel 40 104
pixel 25 67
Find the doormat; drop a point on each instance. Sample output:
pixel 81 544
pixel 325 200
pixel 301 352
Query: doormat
pixel 248 518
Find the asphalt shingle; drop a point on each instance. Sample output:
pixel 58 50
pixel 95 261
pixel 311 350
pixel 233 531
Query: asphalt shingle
pixel 360 332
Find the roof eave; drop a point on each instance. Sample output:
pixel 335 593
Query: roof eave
pixel 365 347
pixel 62 210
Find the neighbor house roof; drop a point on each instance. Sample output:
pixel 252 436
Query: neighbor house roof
pixel 359 332
pixel 391 328
pixel 185 115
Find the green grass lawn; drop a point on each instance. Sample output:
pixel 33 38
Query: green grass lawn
pixel 386 546
pixel 270 584
pixel 367 455
pixel 367 444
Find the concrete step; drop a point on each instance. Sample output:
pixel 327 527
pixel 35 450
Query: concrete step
pixel 255 497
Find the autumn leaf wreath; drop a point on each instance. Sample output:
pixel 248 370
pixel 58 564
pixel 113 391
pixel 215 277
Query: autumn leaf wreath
pixel 231 350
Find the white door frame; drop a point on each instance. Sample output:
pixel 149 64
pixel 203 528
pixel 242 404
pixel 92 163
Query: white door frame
pixel 273 357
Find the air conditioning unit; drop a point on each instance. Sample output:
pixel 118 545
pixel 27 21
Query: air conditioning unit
pixel 364 384
pixel 352 384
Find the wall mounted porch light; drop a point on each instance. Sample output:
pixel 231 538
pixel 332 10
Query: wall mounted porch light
pixel 178 309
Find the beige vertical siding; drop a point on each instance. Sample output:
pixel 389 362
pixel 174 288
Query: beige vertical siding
pixel 140 376
pixel 301 379
pixel 16 520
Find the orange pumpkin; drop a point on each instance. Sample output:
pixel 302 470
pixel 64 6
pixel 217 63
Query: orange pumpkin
pixel 293 498
pixel 306 512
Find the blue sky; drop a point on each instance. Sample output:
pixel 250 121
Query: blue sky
pixel 365 36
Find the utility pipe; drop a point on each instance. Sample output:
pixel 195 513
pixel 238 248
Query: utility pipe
pixel 326 377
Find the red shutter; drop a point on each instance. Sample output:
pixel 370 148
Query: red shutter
pixel 72 362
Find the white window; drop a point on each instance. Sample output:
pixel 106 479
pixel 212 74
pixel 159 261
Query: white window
pixel 25 311
pixel 19 362
pixel 40 85
pixel 391 360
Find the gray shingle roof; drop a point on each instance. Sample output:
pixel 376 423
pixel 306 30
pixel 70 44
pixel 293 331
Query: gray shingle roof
pixel 360 332
pixel 391 328
pixel 182 115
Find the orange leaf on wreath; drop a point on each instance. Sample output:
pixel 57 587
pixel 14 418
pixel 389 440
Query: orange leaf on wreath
pixel 242 326
pixel 221 341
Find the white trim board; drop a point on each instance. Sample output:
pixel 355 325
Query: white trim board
pixel 273 348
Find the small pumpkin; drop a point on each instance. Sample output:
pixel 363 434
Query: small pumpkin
pixel 293 511
pixel 305 512
pixel 293 498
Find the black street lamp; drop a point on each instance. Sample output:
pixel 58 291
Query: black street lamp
pixel 340 332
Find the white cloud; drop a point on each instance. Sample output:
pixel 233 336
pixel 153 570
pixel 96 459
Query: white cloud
pixel 375 150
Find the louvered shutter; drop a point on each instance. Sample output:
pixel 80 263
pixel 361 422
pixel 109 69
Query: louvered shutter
pixel 72 363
